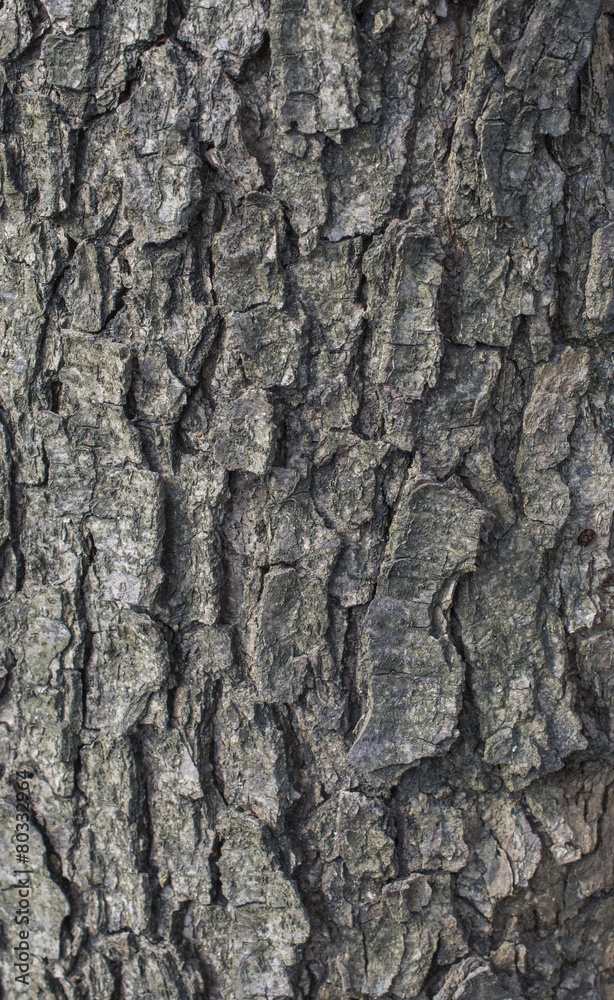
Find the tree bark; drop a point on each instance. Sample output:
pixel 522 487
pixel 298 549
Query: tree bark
pixel 306 499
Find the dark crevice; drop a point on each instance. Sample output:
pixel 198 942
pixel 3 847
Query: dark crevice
pixel 307 874
pixel 130 86
pixel 213 772
pixel 145 430
pixel 145 832
pixel 468 722
pixel 116 973
pixel 16 498
pixel 53 864
pixel 232 556
pixel 209 367
pixel 216 897
pixel 51 297
pixel 176 12
pixel 349 670
pixel 7 670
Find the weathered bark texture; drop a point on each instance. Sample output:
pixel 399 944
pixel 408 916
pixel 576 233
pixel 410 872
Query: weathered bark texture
pixel 307 388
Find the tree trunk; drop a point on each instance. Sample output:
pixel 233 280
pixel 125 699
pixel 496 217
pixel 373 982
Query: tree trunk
pixel 306 498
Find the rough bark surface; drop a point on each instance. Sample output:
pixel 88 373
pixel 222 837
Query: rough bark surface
pixel 306 497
